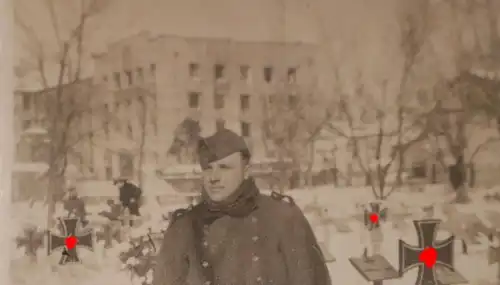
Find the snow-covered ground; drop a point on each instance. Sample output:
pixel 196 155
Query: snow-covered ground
pixel 103 266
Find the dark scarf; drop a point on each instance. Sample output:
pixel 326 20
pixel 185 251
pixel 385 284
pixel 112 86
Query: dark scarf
pixel 240 204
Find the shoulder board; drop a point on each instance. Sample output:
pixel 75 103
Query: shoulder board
pixel 177 214
pixel 280 197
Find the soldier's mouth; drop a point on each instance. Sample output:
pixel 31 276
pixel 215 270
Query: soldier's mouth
pixel 216 188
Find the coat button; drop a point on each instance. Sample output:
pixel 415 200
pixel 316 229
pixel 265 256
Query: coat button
pixel 255 258
pixel 255 238
pixel 259 279
pixel 205 243
pixel 204 264
pixel 254 219
pixel 207 283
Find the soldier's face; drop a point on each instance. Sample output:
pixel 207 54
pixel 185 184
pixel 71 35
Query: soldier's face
pixel 224 176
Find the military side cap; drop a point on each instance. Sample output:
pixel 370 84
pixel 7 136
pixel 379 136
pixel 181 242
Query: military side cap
pixel 220 145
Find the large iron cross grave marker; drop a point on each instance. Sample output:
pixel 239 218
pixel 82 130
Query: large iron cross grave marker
pixel 69 229
pixel 439 271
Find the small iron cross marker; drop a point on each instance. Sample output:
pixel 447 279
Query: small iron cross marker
pixel 374 215
pixel 70 240
pixel 427 254
pixel 31 241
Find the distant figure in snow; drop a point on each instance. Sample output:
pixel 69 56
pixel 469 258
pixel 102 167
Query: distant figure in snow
pixel 457 178
pixel 130 196
pixel 75 206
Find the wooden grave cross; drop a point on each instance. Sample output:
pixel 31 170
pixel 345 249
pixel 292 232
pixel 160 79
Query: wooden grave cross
pixel 324 244
pixel 107 234
pixel 32 240
pixel 376 268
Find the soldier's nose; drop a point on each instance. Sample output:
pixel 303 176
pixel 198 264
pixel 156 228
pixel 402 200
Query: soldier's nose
pixel 214 176
pixel 214 180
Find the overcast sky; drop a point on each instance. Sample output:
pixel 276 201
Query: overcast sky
pixel 365 29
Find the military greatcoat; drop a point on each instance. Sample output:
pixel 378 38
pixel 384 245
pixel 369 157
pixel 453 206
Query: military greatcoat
pixel 274 244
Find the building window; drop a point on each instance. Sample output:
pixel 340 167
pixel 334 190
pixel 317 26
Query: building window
pixel 219 71
pixel 27 101
pixel 108 160
pixel 152 69
pixel 140 74
pixel 130 79
pixel 42 122
pixel 194 99
pixel 244 72
pixel 292 75
pixel 292 101
pixel 268 74
pixel 418 170
pixel 126 165
pixel 156 158
pixel 194 70
pixel 218 101
pixel 130 131
pixel 291 132
pixel 271 99
pixel 220 124
pixel 116 77
pixel 105 127
pixel 118 127
pixel 109 172
pixel 26 124
pixel 154 126
pixel 245 129
pixel 244 102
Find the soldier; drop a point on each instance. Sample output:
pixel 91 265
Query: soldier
pixel 130 196
pixel 236 235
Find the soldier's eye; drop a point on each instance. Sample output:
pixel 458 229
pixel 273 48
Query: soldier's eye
pixel 224 166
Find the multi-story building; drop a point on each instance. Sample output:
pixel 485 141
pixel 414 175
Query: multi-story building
pixel 71 108
pixel 157 82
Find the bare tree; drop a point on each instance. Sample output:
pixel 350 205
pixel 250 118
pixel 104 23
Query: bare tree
pixel 68 100
pixel 144 118
pixel 381 126
pixel 468 101
pixel 291 125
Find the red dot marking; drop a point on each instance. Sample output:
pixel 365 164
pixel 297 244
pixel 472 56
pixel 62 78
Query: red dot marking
pixel 428 256
pixel 374 218
pixel 71 242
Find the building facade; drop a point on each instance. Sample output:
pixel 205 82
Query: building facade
pixel 154 84
pixel 54 124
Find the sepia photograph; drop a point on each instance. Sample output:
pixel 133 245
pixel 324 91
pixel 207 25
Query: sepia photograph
pixel 263 142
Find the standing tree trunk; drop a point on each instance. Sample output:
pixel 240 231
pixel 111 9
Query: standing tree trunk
pixel 143 140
